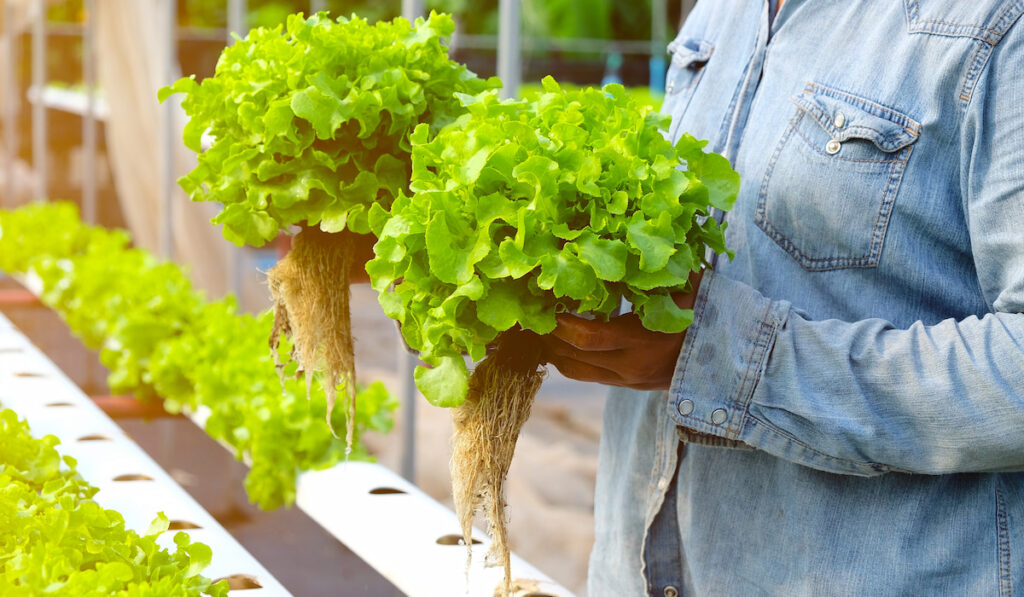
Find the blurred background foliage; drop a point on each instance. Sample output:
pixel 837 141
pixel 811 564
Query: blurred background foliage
pixel 597 19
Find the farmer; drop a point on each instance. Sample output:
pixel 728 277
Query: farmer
pixel 845 416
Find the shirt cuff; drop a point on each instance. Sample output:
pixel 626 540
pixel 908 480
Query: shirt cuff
pixel 723 357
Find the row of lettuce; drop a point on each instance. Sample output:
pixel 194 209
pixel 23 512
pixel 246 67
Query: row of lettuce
pixel 160 337
pixel 57 541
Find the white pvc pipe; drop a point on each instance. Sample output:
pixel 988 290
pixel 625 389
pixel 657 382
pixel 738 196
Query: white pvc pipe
pixel 41 394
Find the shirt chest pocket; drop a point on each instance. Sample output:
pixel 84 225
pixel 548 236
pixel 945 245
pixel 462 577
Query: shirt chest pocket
pixel 689 59
pixel 830 185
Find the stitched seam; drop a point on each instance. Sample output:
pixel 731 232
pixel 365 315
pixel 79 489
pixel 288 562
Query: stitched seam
pixel 1003 537
pixel 752 376
pixel 838 158
pixel 857 465
pixel 888 200
pixel 760 215
pixel 698 312
pixel 896 117
pixel 978 61
pixel 990 34
pixel 723 136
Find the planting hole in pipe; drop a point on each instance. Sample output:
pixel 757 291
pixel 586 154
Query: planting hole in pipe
pixel 94 438
pixel 28 374
pixel 133 477
pixel 538 595
pixel 385 491
pixel 182 525
pixel 10 350
pixel 454 540
pixel 60 404
pixel 240 582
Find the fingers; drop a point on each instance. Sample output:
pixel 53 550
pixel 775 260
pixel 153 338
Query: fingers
pixel 581 371
pixel 589 334
pixel 651 368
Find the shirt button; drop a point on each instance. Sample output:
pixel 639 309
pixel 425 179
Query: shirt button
pixel 839 120
pixel 685 407
pixel 671 591
pixel 662 484
pixel 671 86
pixel 719 416
pixel 833 147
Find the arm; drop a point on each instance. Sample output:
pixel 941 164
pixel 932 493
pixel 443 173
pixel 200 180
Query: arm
pixel 865 397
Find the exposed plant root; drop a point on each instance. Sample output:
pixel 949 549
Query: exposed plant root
pixel 486 427
pixel 310 289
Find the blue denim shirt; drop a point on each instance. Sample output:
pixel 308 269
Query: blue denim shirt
pixel 857 371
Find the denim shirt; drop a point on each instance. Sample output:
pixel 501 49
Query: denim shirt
pixel 853 382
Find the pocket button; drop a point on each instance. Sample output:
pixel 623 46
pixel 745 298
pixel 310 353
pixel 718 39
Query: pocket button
pixel 839 120
pixel 833 147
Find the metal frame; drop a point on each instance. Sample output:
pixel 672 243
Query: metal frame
pixel 10 89
pixel 39 165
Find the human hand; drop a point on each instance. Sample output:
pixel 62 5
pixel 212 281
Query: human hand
pixel 620 352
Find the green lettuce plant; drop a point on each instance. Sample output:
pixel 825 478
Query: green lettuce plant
pixel 570 202
pixel 57 541
pixel 309 124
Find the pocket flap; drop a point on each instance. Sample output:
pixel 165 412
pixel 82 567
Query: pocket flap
pixel 690 52
pixel 845 116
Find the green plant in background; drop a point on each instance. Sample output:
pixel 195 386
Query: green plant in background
pixel 160 337
pixel 57 541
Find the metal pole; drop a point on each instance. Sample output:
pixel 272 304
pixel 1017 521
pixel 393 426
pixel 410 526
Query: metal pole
pixel 237 10
pixel 411 9
pixel 39 108
pixel 509 48
pixel 10 88
pixel 659 18
pixel 167 181
pixel 89 144
pixel 237 24
pixel 316 6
